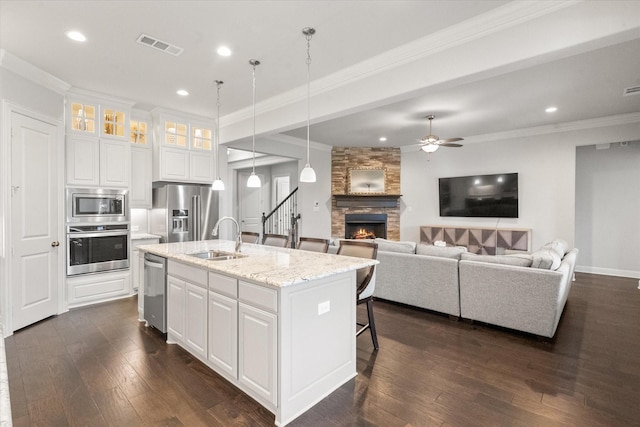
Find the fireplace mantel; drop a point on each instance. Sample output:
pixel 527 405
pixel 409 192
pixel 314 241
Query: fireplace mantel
pixel 367 201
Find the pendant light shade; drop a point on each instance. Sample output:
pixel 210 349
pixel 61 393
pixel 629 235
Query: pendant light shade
pixel 217 185
pixel 308 174
pixel 254 180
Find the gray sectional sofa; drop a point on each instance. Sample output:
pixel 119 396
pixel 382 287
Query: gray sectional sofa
pixel 521 291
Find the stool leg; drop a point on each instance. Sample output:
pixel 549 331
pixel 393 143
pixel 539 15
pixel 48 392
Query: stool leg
pixel 372 324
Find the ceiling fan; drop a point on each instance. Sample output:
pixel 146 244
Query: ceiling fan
pixel 431 143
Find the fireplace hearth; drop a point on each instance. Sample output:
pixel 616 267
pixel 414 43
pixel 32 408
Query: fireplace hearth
pixel 365 226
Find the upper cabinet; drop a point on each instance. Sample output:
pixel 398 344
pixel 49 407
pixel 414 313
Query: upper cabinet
pixel 182 148
pixel 98 132
pixel 141 160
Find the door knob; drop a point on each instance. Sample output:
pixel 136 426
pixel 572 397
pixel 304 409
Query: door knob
pixel 55 244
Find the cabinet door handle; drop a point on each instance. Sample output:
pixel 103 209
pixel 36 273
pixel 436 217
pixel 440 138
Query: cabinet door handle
pixel 55 244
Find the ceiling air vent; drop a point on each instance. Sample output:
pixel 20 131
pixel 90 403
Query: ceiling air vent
pixel 153 42
pixel 633 90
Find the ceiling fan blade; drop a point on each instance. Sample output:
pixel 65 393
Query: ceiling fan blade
pixel 449 144
pixel 444 141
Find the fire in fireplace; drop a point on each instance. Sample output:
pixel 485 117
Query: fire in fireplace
pixel 365 226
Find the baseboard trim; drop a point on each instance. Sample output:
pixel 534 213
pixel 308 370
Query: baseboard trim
pixel 608 271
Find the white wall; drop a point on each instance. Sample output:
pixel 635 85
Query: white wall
pixel 316 220
pixel 608 209
pixel 546 168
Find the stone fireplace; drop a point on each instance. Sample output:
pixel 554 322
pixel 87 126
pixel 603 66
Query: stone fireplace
pixel 365 226
pixel 345 203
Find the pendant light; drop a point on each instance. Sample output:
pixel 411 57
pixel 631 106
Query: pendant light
pixel 254 180
pixel 218 185
pixel 308 174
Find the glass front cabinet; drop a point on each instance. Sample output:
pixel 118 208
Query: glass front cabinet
pixel 183 148
pixel 97 140
pixel 141 160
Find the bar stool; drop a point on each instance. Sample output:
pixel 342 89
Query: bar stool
pixel 249 237
pixel 364 282
pixel 277 240
pixel 313 244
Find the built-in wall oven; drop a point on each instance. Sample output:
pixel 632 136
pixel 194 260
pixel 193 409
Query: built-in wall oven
pixel 98 236
pixel 97 247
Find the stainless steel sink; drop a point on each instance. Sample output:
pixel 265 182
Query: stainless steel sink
pixel 216 255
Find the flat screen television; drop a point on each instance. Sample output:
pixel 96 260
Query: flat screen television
pixel 488 196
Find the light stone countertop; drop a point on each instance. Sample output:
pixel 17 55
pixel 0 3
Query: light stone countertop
pixel 276 267
pixel 141 236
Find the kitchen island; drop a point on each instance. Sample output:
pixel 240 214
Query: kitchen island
pixel 277 323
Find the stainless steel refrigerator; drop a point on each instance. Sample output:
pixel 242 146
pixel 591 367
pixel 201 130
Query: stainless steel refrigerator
pixel 183 212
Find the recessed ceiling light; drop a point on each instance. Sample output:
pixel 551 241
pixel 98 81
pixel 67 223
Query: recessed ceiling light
pixel 224 51
pixel 551 109
pixel 76 35
pixel 383 139
pixel 182 92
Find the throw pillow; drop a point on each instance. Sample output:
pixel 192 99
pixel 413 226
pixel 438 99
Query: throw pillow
pixel 560 246
pixel 441 251
pixel 546 258
pixel 391 246
pixel 518 260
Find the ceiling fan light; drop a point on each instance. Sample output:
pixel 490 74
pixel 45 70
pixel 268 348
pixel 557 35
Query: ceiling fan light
pixel 254 181
pixel 429 148
pixel 308 174
pixel 217 185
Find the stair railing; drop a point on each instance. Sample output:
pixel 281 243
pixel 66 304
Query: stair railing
pixel 283 219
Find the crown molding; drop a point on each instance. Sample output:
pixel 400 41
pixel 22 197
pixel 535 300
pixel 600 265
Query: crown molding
pixel 499 19
pixel 32 73
pixel 299 142
pixel 578 125
pixel 93 95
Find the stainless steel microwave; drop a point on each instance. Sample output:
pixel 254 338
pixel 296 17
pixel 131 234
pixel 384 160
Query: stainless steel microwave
pixel 96 205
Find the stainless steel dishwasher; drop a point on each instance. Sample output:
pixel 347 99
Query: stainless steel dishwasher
pixel 155 289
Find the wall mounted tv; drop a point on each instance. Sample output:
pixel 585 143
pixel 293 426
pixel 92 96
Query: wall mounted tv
pixel 488 196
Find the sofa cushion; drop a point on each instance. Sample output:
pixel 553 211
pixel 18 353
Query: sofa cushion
pixel 441 251
pixel 392 246
pixel 519 260
pixel 546 258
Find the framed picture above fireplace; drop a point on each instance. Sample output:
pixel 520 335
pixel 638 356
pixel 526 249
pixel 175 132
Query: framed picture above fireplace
pixel 366 181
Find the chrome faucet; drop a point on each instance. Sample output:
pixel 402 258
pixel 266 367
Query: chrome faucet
pixel 214 232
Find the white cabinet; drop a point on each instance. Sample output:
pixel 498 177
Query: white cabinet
pixel 187 302
pixel 257 356
pixel 258 340
pixel 196 320
pixel 97 148
pixel 175 309
pixel 140 188
pixel 182 148
pixel 141 160
pixel 92 288
pixel 95 162
pixel 223 325
pixel 83 161
pixel 114 163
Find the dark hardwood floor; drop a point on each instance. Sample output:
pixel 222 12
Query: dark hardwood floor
pixel 98 366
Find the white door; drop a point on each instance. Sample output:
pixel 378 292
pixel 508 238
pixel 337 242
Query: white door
pixel 281 184
pixel 250 204
pixel 35 253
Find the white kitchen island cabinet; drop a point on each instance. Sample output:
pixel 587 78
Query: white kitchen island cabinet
pixel 279 323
